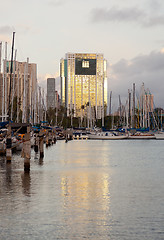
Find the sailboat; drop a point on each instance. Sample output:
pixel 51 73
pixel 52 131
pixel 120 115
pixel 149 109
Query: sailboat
pixel 106 136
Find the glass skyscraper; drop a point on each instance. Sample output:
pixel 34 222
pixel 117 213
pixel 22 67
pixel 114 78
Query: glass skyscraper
pixel 84 84
pixel 51 93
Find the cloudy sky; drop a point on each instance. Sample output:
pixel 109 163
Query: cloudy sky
pixel 130 34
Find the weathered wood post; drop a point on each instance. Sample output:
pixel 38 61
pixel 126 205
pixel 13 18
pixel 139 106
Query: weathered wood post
pixel 50 137
pixel 47 133
pixel 36 142
pixel 8 145
pixel 66 136
pixel 41 143
pixel 27 150
pixel 54 136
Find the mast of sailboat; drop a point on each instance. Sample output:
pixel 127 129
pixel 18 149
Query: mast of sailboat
pixel 0 55
pixel 13 87
pixel 133 119
pixel 161 120
pixel 18 97
pixel 2 81
pixel 110 104
pixel 31 102
pixel 120 111
pixel 11 69
pixel 5 80
pixel 129 109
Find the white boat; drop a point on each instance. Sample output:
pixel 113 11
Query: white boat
pixel 159 135
pixel 80 136
pixel 32 141
pixel 19 142
pixel 106 136
pixel 142 136
pixel 19 145
pixel 14 143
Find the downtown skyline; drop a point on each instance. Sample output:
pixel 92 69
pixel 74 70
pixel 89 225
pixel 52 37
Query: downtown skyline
pixel 129 34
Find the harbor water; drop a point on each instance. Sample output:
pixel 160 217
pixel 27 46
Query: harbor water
pixel 85 189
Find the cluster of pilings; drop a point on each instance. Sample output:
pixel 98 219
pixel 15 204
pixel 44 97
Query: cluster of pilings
pixel 50 138
pixel 40 137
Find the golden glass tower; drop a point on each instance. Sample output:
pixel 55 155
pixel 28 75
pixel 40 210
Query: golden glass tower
pixel 84 84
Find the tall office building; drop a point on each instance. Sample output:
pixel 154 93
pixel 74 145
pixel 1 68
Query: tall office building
pixel 23 87
pixel 51 93
pixel 84 84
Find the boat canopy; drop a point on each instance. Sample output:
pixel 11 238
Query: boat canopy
pixel 3 124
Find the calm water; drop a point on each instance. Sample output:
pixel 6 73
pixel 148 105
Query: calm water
pixel 85 190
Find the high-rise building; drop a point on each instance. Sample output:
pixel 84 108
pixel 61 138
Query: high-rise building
pixel 84 84
pixel 51 93
pixel 20 85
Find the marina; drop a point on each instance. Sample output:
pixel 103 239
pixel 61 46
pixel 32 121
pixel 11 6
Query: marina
pixel 80 158
pixel 51 134
pixel 85 190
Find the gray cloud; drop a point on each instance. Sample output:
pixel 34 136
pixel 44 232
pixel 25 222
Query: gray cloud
pixel 153 21
pixel 56 3
pixel 132 14
pixel 147 69
pixel 155 5
pixel 115 14
pixel 6 29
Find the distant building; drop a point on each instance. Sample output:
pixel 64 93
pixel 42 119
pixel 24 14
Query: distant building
pixel 57 99
pixel 23 86
pixel 84 84
pixel 51 93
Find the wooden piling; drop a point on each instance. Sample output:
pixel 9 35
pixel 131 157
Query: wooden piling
pixel 27 150
pixel 47 139
pixel 41 144
pixel 8 145
pixel 36 142
pixel 50 138
pixel 54 136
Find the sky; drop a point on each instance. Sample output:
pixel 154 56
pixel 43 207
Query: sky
pixel 130 34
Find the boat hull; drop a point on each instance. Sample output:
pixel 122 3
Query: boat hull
pixel 142 137
pixel 102 137
pixel 159 136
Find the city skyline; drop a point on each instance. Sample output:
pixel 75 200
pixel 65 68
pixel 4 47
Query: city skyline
pixel 129 34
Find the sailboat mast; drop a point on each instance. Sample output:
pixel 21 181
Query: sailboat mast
pixel 110 104
pixel 161 120
pixel 18 97
pixel 13 87
pixel 0 55
pixel 11 69
pixel 5 80
pixel 129 109
pixel 133 121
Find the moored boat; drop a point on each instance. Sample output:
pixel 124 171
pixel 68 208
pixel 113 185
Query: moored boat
pixel 80 136
pixel 142 136
pixel 159 135
pixel 106 136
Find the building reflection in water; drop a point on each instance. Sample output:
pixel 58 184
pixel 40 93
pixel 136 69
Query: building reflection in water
pixel 85 187
pixel 86 199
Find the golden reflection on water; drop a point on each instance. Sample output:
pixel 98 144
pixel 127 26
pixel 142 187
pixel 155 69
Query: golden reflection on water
pixel 86 182
pixel 86 191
